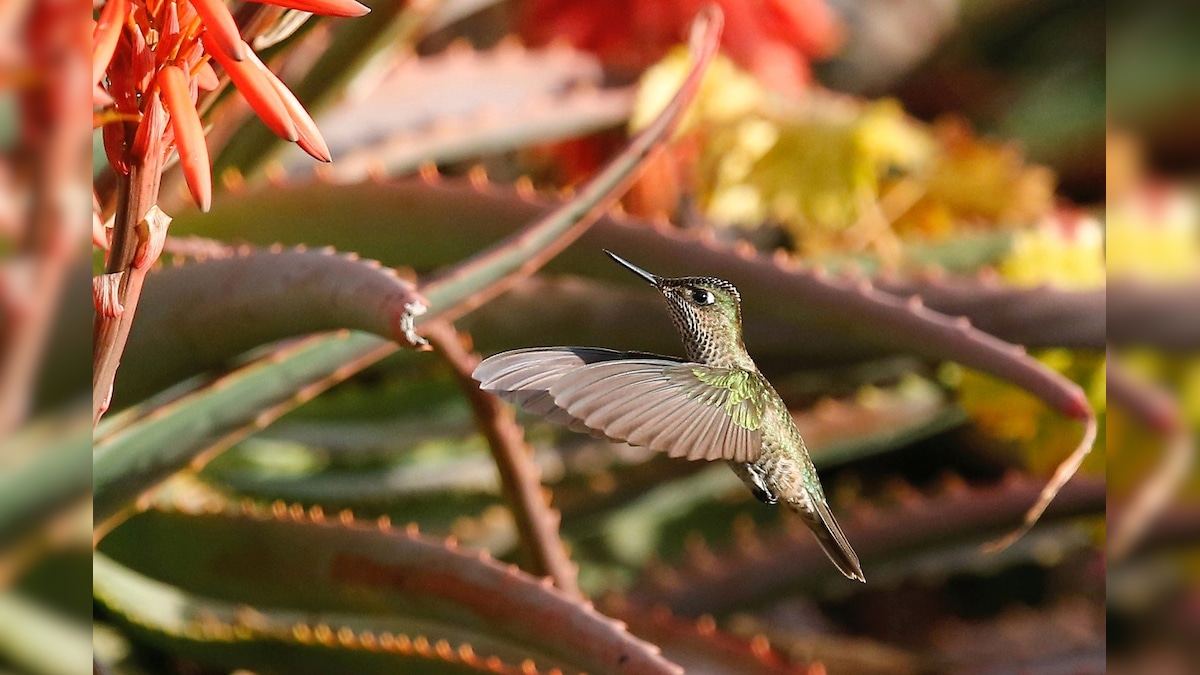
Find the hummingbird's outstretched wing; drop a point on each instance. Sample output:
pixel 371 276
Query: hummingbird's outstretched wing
pixel 524 376
pixel 683 409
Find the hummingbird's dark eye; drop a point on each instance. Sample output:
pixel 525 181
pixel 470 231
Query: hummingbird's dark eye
pixel 702 297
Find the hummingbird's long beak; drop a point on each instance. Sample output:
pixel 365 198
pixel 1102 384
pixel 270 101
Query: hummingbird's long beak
pixel 652 278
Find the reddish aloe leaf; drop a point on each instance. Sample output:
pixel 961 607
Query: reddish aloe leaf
pixel 762 563
pixel 105 36
pixel 1062 473
pixel 699 646
pixel 257 90
pixel 324 7
pixel 224 39
pixel 189 134
pixel 254 297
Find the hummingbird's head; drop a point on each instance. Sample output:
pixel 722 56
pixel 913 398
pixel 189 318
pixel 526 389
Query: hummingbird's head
pixel 707 311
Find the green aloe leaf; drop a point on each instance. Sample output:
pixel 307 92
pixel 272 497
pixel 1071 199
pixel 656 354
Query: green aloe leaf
pixel 43 469
pixel 131 459
pixel 40 641
pixel 365 575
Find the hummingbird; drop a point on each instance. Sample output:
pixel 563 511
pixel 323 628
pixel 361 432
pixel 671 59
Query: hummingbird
pixel 712 405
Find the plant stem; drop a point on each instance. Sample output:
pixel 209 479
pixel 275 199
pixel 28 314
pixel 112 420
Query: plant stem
pixel 137 192
pixel 536 521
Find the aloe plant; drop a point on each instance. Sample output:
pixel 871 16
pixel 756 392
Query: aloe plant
pixel 293 471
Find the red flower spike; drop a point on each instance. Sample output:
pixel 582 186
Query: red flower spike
pixel 310 139
pixel 189 134
pixel 221 29
pixel 105 36
pixel 325 7
pixel 257 90
pixel 206 77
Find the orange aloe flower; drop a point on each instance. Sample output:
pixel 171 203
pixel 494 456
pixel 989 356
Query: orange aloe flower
pixel 774 39
pixel 151 59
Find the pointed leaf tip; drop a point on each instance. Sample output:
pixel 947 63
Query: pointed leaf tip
pixel 1063 473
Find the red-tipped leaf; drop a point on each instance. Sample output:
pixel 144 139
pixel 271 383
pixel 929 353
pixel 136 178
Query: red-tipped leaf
pixel 325 7
pixel 222 29
pixel 105 36
pixel 189 134
pixel 257 90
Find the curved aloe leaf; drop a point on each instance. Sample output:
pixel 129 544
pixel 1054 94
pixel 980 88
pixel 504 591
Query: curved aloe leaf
pixel 472 104
pixel 849 308
pixel 40 478
pixel 959 513
pixel 963 254
pixel 699 646
pixel 269 640
pixel 1152 315
pixel 306 562
pixel 409 208
pixel 207 311
pixel 134 458
pixel 39 641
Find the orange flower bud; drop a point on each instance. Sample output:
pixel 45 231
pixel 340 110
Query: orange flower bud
pixel 189 134
pixel 105 36
pixel 219 22
pixel 310 139
pixel 206 77
pixel 325 7
pixel 257 90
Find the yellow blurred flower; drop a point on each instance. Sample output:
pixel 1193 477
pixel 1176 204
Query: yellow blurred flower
pixel 1152 234
pixel 1015 418
pixel 1065 250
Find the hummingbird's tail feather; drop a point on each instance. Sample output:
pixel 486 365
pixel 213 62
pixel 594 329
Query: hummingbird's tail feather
pixel 833 542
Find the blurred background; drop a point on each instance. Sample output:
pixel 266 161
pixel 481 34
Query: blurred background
pixel 1029 164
